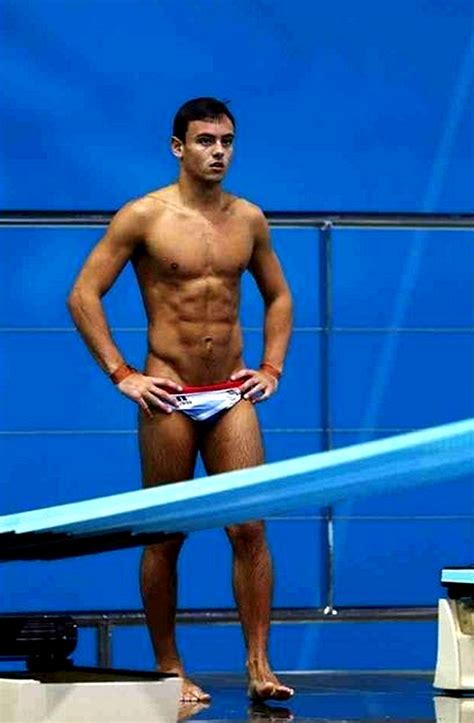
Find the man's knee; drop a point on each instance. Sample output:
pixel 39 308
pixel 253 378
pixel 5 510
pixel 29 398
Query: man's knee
pixel 246 534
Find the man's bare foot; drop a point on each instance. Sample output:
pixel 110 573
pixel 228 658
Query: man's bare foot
pixel 192 693
pixel 264 685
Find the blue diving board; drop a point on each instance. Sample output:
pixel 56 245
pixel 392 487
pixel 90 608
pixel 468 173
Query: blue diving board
pixel 135 518
pixel 458 576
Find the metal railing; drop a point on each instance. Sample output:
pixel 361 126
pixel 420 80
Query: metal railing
pixel 104 622
pixel 277 219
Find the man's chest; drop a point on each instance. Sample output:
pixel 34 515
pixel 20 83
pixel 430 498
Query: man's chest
pixel 191 248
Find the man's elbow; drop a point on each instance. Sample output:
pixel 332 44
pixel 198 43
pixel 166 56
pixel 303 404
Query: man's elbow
pixel 282 299
pixel 73 300
pixel 79 298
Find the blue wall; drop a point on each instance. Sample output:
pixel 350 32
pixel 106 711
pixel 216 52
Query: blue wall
pixel 340 106
pixel 369 110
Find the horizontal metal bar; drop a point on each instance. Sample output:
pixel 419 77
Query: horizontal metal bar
pixel 297 219
pixel 226 616
pixel 349 219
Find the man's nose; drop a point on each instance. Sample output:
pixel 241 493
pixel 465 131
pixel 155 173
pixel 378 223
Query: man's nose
pixel 218 151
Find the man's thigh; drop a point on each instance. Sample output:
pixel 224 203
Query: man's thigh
pixel 168 448
pixel 233 441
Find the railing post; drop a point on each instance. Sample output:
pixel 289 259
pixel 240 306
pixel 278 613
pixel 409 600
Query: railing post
pixel 104 643
pixel 326 315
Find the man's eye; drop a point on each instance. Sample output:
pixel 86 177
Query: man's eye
pixel 227 142
pixel 205 141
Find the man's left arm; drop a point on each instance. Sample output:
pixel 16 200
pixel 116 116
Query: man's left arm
pixel 266 269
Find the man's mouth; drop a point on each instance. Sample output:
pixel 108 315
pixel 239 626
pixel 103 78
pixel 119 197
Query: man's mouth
pixel 217 165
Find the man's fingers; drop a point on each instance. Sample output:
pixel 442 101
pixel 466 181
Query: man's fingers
pixel 255 392
pixel 159 395
pixel 249 384
pixel 162 382
pixel 266 393
pixel 242 373
pixel 156 401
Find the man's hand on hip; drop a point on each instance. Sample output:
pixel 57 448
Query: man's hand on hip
pixel 149 392
pixel 258 385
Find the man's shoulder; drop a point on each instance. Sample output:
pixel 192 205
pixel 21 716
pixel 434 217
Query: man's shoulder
pixel 139 212
pixel 151 203
pixel 248 209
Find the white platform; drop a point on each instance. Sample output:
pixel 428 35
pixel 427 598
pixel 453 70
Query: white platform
pixel 454 710
pixel 29 701
pixel 455 662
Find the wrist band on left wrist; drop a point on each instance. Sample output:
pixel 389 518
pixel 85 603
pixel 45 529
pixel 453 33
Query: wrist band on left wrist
pixel 271 369
pixel 122 372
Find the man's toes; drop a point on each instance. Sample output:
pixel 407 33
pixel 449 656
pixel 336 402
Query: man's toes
pixel 195 695
pixel 268 690
pixel 261 691
pixel 282 692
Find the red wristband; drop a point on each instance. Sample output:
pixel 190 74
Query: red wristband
pixel 122 372
pixel 274 371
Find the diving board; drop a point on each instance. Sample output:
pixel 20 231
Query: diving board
pixel 134 518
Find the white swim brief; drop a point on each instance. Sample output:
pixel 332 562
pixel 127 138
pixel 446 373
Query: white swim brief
pixel 201 403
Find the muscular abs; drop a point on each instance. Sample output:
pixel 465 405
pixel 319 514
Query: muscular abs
pixel 189 271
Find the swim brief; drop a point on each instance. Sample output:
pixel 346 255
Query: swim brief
pixel 201 403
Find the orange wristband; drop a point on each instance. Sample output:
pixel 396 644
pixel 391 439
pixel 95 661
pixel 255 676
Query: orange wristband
pixel 122 372
pixel 274 371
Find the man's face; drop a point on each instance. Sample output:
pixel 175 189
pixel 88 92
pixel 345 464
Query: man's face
pixel 207 150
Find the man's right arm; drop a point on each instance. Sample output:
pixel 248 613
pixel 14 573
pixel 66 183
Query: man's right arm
pixel 96 277
pixel 101 269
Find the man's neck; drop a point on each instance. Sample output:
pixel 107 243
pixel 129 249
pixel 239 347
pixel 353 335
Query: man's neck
pixel 198 195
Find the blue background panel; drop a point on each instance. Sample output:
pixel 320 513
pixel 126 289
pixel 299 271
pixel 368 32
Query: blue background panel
pixel 443 500
pixel 323 646
pixel 401 380
pixel 397 562
pixel 341 121
pixel 205 566
pixel 42 470
pixel 109 581
pixel 296 249
pixel 87 647
pixel 44 263
pixel 68 391
pixel 404 278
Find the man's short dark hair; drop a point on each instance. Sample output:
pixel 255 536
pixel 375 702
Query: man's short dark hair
pixel 199 109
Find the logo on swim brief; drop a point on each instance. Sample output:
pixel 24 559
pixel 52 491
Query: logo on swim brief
pixel 183 400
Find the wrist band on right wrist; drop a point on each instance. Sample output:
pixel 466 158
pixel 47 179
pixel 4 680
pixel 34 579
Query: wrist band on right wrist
pixel 122 372
pixel 273 370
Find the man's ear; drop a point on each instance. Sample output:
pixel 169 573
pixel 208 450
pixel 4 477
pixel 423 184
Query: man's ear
pixel 176 147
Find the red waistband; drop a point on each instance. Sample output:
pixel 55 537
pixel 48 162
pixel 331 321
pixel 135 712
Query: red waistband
pixel 213 387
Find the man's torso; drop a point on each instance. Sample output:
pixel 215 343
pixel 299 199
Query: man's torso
pixel 189 267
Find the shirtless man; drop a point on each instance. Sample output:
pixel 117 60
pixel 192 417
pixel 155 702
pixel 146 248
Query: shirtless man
pixel 189 244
